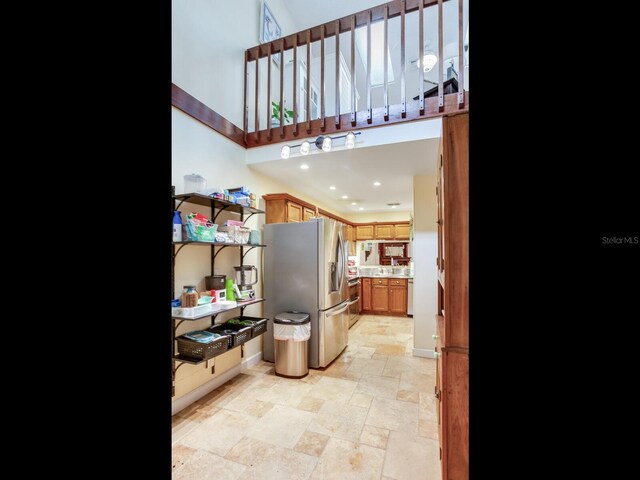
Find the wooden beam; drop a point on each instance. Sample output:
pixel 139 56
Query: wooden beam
pixel 199 111
pixel 395 116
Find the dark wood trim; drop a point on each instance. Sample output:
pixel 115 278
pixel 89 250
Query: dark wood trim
pixel 198 110
pixel 395 116
pixel 377 14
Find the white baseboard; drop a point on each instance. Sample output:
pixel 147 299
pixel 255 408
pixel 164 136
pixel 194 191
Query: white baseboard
pixel 424 352
pixel 197 393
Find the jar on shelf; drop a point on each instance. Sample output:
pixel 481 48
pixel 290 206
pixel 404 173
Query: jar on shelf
pixel 189 296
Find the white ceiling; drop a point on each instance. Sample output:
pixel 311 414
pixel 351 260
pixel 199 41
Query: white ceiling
pixel 353 171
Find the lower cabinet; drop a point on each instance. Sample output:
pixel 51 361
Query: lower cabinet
pixel 384 295
pixel 365 284
pixel 379 298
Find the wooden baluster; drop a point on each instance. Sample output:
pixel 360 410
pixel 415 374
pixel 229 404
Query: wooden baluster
pixel 403 93
pixel 353 70
pixel 282 89
pixel 257 116
pixel 460 58
pixel 245 121
pixel 295 84
pixel 421 55
pixel 386 66
pixel 440 60
pixel 308 81
pixel 369 66
pixel 269 92
pixel 322 77
pixel 337 117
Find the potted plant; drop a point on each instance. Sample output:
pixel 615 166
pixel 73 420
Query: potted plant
pixel 275 115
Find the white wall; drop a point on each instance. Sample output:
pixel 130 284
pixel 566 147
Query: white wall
pixel 208 41
pixel 392 216
pixel 425 251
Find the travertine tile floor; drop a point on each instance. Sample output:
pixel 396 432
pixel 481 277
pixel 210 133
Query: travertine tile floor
pixel 370 415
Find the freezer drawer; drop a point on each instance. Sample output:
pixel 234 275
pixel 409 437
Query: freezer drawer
pixel 333 332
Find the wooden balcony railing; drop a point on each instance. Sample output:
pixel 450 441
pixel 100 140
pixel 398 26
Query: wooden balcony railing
pixel 407 110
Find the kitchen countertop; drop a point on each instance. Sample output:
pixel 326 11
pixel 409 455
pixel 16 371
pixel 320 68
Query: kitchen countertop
pixel 353 277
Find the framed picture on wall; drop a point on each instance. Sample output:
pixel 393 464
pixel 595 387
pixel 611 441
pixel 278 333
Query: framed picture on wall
pixel 269 28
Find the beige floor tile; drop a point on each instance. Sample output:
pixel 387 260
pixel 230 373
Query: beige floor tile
pixel 377 356
pixel 180 427
pixel 368 366
pixel 281 426
pixel 336 389
pixel 180 454
pixel 374 436
pixel 288 393
pixel 310 404
pixel 378 386
pixel 422 382
pixel 428 429
pixel 344 460
pixel 250 406
pixel 208 465
pixel 361 400
pixel 411 457
pixel 408 396
pixel 428 407
pixel 339 420
pixel 393 415
pixel 312 443
pixel 219 433
pixel 391 350
pixel 267 461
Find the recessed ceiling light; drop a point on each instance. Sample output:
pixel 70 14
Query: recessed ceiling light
pixel 361 208
pixel 353 203
pixel 376 184
pixel 344 197
pixel 393 206
pixel 332 187
pixel 304 166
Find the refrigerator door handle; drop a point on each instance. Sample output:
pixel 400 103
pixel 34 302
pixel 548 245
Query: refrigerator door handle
pixel 338 311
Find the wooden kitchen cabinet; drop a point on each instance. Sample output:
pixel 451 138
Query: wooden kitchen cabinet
pixel 383 232
pixel 366 293
pixel 294 212
pixel 364 232
pixel 380 298
pixel 308 214
pixel 398 295
pixel 401 231
pixel 351 237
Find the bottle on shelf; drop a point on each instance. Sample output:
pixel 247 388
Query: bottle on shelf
pixel 177 227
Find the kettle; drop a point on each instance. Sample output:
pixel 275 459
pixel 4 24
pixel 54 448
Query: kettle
pixel 244 275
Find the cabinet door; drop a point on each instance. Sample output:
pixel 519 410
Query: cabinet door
pixel 309 214
pixel 384 232
pixel 294 212
pixel 380 298
pixel 401 231
pixel 366 294
pixel 360 296
pixel 398 299
pixel 352 234
pixel 364 232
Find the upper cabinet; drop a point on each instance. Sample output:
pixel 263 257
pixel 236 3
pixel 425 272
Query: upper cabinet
pixel 283 208
pixel 294 212
pixel 364 232
pixel 384 232
pixel 309 214
pixel 401 231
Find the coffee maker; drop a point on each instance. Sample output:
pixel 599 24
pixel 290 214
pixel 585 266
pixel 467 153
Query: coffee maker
pixel 245 279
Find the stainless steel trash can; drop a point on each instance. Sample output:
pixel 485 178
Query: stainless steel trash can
pixel 292 331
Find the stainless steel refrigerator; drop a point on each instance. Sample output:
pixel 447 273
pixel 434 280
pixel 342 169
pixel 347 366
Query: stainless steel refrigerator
pixel 305 269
